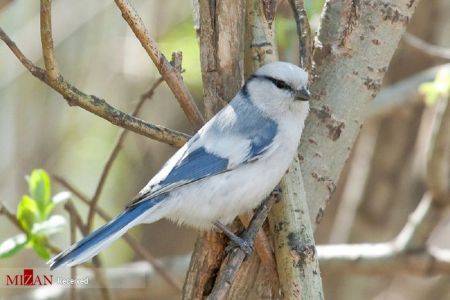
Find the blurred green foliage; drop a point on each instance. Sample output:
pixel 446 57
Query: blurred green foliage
pixel 437 89
pixel 182 37
pixel 34 217
pixel 313 7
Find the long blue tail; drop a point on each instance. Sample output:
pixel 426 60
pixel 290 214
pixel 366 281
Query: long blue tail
pixel 92 244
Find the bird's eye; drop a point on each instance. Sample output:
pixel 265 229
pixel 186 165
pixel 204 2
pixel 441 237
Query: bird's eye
pixel 281 84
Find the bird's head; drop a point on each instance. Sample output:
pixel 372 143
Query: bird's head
pixel 279 87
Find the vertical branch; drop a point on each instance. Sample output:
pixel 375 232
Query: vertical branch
pixel 348 73
pixel 259 36
pixel 99 274
pixel 295 250
pixel 353 191
pixel 294 245
pixel 230 268
pixel 73 270
pixel 438 166
pixel 221 31
pixel 305 41
pixel 47 40
pixel 221 37
pixel 432 206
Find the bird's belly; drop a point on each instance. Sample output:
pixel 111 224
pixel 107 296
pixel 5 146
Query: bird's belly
pixel 224 196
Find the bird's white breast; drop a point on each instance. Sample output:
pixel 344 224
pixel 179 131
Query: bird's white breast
pixel 222 197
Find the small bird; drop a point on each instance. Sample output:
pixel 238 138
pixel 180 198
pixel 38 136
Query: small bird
pixel 227 168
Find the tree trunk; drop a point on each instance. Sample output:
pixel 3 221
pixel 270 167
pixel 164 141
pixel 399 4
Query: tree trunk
pixel 358 40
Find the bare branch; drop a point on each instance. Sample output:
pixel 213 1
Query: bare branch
pixel 438 167
pixel 112 157
pixel 99 274
pixel 47 40
pixel 398 94
pixel 73 270
pixel 98 106
pixel 305 42
pixel 262 245
pixel 348 74
pixel 237 256
pixel 167 71
pixel 220 28
pixel 76 218
pixel 382 259
pixel 221 39
pixel 429 49
pixel 293 237
pixel 431 208
pixel 355 184
pixel 12 218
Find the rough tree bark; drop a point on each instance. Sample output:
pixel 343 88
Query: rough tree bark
pixel 392 188
pixel 357 41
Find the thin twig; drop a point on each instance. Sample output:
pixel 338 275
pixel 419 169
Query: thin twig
pixel 262 244
pixel 431 208
pixel 438 166
pixel 402 93
pixel 12 218
pixel 427 48
pixel 98 106
pixel 76 218
pixel 116 149
pixel 51 247
pixel 237 256
pixel 305 42
pixel 47 40
pixel 73 270
pixel 63 182
pixel 99 274
pixel 112 157
pixel 131 241
pixel 168 72
pixel 157 265
pixel 382 259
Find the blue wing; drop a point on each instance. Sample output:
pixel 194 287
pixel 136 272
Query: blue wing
pixel 198 164
pixel 239 134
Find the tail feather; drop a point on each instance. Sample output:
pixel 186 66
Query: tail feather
pixel 92 244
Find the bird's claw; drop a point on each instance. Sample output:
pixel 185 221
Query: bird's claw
pixel 276 192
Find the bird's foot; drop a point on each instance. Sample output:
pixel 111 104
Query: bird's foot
pixel 244 244
pixel 276 191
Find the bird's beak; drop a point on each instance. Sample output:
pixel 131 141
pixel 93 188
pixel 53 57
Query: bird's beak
pixel 302 94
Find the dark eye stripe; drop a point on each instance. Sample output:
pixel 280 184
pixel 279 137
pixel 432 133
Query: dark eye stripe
pixel 278 83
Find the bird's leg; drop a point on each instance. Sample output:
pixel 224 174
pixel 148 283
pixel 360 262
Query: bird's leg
pixel 246 245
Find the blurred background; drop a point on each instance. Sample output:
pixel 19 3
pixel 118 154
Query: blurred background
pixel 98 53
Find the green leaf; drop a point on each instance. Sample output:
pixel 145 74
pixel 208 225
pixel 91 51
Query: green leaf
pixel 40 248
pixel 40 191
pixel 13 245
pixel 53 225
pixel 27 213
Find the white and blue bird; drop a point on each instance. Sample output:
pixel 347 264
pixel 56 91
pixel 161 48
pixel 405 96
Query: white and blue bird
pixel 233 162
